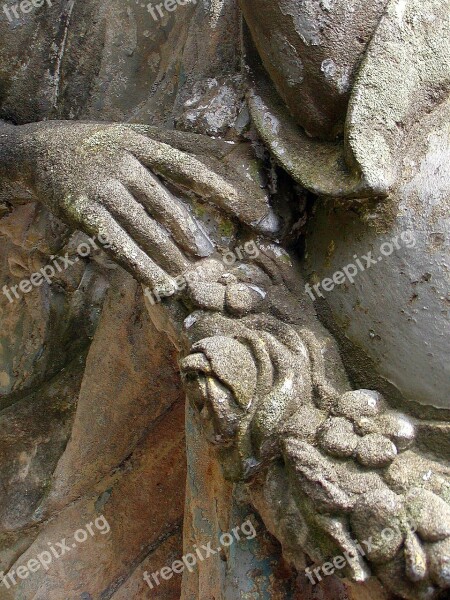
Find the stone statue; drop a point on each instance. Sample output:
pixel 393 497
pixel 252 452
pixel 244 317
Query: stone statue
pixel 329 417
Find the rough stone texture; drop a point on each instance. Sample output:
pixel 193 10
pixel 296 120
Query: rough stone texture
pixel 124 460
pixel 312 53
pixel 406 338
pixel 277 429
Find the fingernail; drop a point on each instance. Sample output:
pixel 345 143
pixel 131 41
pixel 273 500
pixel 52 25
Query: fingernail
pixel 205 247
pixel 269 224
pixel 165 288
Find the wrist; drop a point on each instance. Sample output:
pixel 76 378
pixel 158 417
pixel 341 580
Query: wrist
pixel 14 163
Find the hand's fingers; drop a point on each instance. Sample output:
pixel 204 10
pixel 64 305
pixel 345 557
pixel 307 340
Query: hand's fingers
pixel 193 143
pixel 144 230
pixel 167 210
pixel 210 179
pixel 95 220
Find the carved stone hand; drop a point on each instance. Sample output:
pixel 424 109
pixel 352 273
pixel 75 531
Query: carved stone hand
pixel 115 180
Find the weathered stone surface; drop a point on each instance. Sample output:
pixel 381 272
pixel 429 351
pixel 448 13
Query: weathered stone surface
pixel 336 99
pixel 312 53
pixel 129 474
